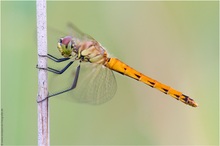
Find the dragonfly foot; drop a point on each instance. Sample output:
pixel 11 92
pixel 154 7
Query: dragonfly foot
pixel 42 55
pixel 39 101
pixel 41 67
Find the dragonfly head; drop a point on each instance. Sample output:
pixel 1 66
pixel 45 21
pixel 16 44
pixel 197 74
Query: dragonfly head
pixel 66 46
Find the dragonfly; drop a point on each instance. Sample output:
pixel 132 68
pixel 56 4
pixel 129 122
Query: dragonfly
pixel 99 85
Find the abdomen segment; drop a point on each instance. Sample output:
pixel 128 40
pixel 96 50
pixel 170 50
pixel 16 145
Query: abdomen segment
pixel 119 66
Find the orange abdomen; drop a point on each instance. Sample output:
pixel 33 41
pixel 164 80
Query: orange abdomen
pixel 119 66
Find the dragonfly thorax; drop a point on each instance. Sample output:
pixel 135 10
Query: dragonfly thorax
pixel 92 51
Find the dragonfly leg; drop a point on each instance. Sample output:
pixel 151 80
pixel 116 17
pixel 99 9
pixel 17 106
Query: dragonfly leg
pixel 56 59
pixel 51 57
pixel 71 88
pixel 57 71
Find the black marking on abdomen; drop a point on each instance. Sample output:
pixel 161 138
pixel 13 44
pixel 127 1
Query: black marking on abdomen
pixel 152 84
pixel 186 99
pixel 121 72
pixel 138 76
pixel 108 59
pixel 178 97
pixel 165 90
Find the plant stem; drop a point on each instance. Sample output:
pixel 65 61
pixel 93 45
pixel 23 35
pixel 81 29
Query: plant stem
pixel 43 120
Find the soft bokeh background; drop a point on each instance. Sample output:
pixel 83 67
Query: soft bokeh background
pixel 173 42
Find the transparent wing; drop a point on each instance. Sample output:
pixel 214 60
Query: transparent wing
pixel 77 33
pixel 96 84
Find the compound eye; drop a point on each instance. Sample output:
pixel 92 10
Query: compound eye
pixel 61 40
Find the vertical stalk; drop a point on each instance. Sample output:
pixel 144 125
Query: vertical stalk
pixel 43 120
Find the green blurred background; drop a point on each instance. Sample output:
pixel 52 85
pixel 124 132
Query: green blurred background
pixel 173 42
